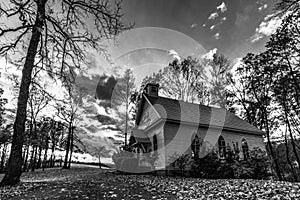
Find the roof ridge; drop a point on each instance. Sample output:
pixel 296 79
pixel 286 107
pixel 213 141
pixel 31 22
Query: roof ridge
pixel 231 119
pixel 167 98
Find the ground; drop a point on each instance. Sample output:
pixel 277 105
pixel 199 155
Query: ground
pixel 92 183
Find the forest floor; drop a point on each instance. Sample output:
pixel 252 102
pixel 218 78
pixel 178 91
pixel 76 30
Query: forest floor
pixel 82 182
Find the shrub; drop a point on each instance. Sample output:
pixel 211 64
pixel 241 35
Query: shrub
pixel 178 164
pixel 260 164
pixel 257 166
pixel 206 167
pixel 242 169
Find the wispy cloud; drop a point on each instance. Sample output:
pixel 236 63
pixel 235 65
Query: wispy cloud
pixel 217 36
pixel 210 55
pixel 222 7
pixel 213 16
pixel 262 7
pixel 267 27
pixel 193 25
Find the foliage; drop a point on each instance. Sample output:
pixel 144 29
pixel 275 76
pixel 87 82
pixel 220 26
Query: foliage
pixel 284 6
pixel 178 163
pixel 257 166
pixel 267 85
pixel 287 160
pixel 206 167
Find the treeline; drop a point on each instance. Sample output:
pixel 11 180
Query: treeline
pixel 43 140
pixel 271 81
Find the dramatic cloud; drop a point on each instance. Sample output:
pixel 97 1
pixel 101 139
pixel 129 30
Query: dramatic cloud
pixel 266 27
pixel 105 87
pixel 262 7
pixel 222 7
pixel 212 27
pixel 193 25
pixel 217 36
pixel 213 16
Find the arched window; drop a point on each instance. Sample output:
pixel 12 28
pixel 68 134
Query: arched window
pixel 245 149
pixel 196 144
pixel 154 143
pixel 222 147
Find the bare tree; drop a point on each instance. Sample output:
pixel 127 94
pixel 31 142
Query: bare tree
pixel 121 97
pixel 38 100
pixel 218 69
pixel 183 80
pixel 67 111
pixel 60 33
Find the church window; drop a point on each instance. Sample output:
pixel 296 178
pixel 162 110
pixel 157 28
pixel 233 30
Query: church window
pixel 154 143
pixel 196 144
pixel 245 149
pixel 222 147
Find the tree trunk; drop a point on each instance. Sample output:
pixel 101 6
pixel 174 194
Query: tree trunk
pixel 45 158
pixel 33 164
pixel 72 146
pixel 39 163
pixel 24 153
pixel 126 114
pixel 52 154
pixel 293 144
pixel 3 157
pixel 31 158
pixel 25 158
pixel 290 131
pixel 66 166
pixel 14 167
pixel 277 168
pixel 288 157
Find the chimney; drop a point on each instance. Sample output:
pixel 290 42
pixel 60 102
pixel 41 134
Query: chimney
pixel 152 89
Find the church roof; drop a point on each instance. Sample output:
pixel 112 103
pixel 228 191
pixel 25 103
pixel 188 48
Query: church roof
pixel 206 116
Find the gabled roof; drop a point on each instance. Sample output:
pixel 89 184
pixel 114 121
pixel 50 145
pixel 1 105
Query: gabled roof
pixel 205 116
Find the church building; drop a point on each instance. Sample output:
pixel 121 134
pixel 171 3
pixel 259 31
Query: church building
pixel 171 128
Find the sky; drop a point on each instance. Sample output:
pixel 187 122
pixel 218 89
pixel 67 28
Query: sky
pixel 168 29
pixel 229 25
